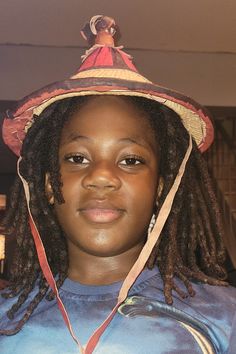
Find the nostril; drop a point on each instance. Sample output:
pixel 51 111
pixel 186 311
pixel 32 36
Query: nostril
pixel 102 175
pixel 101 182
pixel 101 186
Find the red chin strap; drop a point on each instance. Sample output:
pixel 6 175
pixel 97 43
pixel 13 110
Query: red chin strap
pixel 135 270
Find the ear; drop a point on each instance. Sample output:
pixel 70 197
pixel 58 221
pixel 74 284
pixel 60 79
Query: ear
pixel 160 187
pixel 48 189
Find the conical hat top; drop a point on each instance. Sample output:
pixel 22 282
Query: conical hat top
pixel 106 69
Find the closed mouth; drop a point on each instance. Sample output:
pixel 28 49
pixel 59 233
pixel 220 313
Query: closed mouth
pixel 101 215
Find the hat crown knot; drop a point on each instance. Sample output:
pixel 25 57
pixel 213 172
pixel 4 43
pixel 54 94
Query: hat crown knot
pixel 99 30
pixel 103 53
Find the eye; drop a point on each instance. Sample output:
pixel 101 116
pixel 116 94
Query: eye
pixel 132 161
pixel 76 159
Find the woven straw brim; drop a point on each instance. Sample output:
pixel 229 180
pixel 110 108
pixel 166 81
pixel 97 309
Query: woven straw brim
pixel 117 82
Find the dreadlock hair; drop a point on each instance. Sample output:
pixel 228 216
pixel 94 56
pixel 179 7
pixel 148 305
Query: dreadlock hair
pixel 190 247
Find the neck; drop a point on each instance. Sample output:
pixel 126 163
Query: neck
pixel 99 270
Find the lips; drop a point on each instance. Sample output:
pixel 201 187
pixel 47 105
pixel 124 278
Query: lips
pixel 101 212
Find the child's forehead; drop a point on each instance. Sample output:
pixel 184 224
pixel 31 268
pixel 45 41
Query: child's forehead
pixel 110 118
pixel 110 110
pixel 124 103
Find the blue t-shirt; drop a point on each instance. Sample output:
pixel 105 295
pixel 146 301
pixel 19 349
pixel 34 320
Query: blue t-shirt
pixel 144 324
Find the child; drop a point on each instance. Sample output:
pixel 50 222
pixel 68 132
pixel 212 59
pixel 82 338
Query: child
pixel 115 218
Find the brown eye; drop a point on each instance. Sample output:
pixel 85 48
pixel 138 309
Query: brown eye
pixel 132 161
pixel 77 159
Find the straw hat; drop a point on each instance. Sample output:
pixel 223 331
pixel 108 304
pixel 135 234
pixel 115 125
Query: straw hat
pixel 106 69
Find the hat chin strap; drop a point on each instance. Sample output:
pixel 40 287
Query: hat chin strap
pixel 132 275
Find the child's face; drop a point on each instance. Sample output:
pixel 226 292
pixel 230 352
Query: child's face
pixel 109 168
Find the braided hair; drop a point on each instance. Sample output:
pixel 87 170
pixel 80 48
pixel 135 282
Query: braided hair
pixel 190 246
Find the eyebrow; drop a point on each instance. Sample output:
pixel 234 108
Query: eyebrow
pixel 137 141
pixel 74 137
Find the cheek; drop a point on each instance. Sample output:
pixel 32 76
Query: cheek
pixel 142 197
pixel 71 193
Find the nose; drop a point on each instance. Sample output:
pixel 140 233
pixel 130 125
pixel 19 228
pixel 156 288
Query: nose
pixel 102 176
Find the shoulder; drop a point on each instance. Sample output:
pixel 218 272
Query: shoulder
pixel 212 298
pixel 213 309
